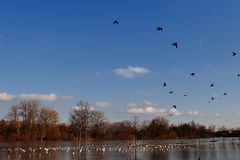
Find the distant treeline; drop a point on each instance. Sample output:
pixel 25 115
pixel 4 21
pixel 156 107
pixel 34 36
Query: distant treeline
pixel 227 133
pixel 30 121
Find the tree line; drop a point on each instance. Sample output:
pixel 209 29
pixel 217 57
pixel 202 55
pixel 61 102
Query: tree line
pixel 28 120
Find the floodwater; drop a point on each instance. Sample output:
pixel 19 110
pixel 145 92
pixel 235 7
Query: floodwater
pixel 205 149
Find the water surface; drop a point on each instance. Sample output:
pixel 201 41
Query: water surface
pixel 205 149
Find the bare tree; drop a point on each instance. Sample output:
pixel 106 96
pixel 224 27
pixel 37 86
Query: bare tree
pixel 80 118
pixel 97 122
pixel 29 113
pixel 135 126
pixel 13 115
pixel 47 117
pixel 158 127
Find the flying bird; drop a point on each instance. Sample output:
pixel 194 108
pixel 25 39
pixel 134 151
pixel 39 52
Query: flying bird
pixel 115 22
pixel 192 74
pixel 174 106
pixel 211 85
pixel 238 75
pixel 185 95
pixel 175 44
pixel 234 54
pixel 164 84
pixel 212 98
pixel 225 94
pixel 171 92
pixel 159 29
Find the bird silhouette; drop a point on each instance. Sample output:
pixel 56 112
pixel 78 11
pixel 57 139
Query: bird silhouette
pixel 238 75
pixel 192 74
pixel 164 84
pixel 211 85
pixel 174 106
pixel 159 29
pixel 175 44
pixel 225 94
pixel 234 54
pixel 115 22
pixel 212 98
pixel 185 95
pixel 171 92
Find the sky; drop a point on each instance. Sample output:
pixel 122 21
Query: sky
pixel 60 52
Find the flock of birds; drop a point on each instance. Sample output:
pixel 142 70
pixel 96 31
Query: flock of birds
pixel 175 44
pixel 120 148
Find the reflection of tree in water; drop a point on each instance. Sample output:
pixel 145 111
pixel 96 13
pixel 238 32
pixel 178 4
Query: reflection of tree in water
pixel 82 155
pixel 97 155
pixel 186 154
pixel 28 154
pixel 156 154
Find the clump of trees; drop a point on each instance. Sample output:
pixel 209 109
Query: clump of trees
pixel 28 120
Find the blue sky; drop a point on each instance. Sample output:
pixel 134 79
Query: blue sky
pixel 61 52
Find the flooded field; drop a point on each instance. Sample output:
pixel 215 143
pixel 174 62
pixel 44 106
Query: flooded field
pixel 205 149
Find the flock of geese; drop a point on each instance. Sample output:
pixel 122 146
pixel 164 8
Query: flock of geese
pixel 120 148
pixel 175 44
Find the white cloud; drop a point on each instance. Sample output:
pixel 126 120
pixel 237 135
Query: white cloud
pixel 102 104
pixel 91 108
pixel 131 105
pixel 217 114
pixel 136 110
pixel 6 97
pixel 193 113
pixel 149 103
pixel 148 108
pixel 40 97
pixel 67 97
pixel 175 112
pixel 151 108
pixel 131 72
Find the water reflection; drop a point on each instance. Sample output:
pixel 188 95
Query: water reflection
pixel 220 149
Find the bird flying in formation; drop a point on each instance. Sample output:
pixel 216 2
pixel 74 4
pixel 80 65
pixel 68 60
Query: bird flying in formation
pixel 159 29
pixel 115 22
pixel 211 85
pixel 192 74
pixel 175 44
